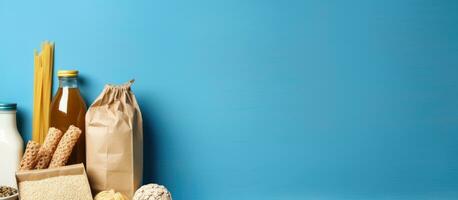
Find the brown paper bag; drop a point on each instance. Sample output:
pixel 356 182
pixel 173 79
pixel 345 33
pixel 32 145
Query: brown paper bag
pixel 114 141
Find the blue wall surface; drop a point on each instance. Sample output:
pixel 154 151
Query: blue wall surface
pixel 264 99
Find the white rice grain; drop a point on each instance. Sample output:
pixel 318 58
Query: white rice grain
pixel 72 187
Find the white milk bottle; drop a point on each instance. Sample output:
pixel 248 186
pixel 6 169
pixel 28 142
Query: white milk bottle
pixel 11 145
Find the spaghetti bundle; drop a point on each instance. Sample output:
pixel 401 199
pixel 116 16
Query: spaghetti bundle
pixel 43 68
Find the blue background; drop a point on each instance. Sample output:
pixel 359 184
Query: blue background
pixel 263 99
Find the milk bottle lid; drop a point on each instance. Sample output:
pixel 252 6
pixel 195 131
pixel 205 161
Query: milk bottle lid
pixel 7 106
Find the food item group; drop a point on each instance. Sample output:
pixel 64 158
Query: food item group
pixel 152 192
pixel 114 135
pixel 114 138
pixel 6 191
pixel 54 152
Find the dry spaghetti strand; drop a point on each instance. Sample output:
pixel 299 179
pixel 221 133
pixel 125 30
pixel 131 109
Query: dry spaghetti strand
pixel 43 68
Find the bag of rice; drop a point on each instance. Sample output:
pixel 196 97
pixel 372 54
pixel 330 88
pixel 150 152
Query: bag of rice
pixel 69 182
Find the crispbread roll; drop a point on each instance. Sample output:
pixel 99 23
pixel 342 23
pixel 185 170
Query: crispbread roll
pixel 30 156
pixel 65 147
pixel 44 157
pixel 49 146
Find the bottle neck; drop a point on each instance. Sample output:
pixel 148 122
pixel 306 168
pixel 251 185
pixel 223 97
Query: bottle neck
pixel 8 119
pixel 68 82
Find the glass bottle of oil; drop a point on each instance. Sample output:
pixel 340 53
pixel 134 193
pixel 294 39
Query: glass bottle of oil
pixel 68 108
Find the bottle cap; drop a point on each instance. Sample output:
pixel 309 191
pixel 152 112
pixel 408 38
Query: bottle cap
pixel 67 73
pixel 7 106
